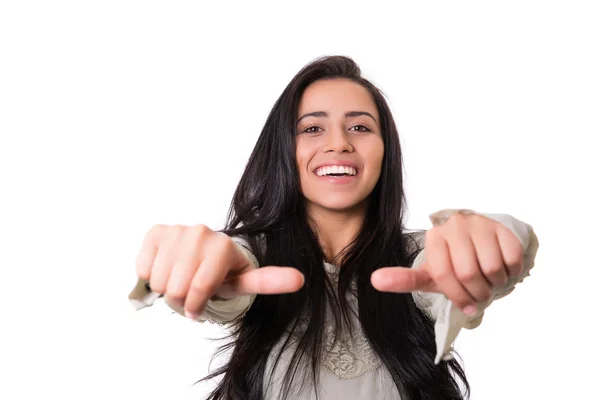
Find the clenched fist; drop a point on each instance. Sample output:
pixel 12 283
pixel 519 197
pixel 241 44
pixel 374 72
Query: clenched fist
pixel 191 264
pixel 466 259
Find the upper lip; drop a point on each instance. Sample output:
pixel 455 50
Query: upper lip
pixel 337 163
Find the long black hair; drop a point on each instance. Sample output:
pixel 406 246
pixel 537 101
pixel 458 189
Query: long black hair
pixel 268 211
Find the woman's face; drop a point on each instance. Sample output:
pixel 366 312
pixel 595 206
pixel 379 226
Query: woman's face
pixel 339 146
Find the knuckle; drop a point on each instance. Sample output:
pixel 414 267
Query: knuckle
pixel 493 268
pixel 489 297
pixel 154 234
pixel 175 301
pixel 432 236
pixel 467 274
pixel 461 301
pixel 484 294
pixel 168 235
pixel 177 290
pixel 201 230
pixel 142 272
pixel 482 221
pixel 199 234
pixel 142 267
pixel 515 269
pixel 176 230
pixel 176 296
pixel 179 227
pixel 456 219
pixel 157 285
pixel 203 288
pixel 222 243
pixel 439 274
pixel 195 235
pixel 513 258
pixel 157 228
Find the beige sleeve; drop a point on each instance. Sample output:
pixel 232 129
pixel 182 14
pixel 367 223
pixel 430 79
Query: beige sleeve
pixel 449 320
pixel 217 310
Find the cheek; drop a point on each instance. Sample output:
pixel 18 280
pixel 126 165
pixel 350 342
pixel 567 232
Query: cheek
pixel 306 148
pixel 380 157
pixel 302 158
pixel 375 156
pixel 299 156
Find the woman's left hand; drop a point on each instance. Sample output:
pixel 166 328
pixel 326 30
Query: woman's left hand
pixel 465 259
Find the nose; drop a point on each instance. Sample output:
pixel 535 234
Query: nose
pixel 337 142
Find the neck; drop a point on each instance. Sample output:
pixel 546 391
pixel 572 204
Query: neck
pixel 336 228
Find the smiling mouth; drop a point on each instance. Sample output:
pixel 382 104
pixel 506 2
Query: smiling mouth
pixel 336 171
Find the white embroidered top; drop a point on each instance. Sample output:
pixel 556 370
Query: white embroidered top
pixel 351 369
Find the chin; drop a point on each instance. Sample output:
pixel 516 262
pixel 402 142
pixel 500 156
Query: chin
pixel 340 204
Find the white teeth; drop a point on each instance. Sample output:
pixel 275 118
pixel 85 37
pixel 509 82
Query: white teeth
pixel 336 169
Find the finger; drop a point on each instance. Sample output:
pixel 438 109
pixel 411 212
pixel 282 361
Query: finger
pixel 401 280
pixel 184 269
pixel 490 258
pixel 466 266
pixel 147 253
pixel 265 280
pixel 224 260
pixel 511 249
pixel 207 279
pixel 439 265
pixel 165 258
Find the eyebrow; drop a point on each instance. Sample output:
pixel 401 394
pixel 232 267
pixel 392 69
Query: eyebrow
pixel 349 114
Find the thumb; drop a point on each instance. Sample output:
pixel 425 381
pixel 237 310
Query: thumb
pixel 265 280
pixel 401 280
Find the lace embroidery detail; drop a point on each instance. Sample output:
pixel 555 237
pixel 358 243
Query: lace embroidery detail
pixel 350 355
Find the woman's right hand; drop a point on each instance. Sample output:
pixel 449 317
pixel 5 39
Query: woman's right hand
pixel 191 264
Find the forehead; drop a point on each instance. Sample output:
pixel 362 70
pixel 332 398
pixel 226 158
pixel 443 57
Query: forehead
pixel 333 95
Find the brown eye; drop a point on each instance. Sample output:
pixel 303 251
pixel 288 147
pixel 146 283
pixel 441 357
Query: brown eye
pixel 360 128
pixel 312 129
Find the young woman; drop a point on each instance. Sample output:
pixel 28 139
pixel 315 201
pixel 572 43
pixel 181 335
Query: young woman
pixel 327 294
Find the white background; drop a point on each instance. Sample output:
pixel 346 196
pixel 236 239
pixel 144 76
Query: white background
pixel 117 115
